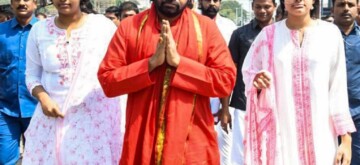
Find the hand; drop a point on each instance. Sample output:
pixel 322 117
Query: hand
pixel 159 57
pixel 262 80
pixel 172 56
pixel 343 154
pixel 225 119
pixel 50 108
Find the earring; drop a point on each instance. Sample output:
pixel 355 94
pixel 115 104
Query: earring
pixel 312 7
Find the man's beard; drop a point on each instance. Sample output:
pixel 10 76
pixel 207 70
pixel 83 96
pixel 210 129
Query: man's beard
pixel 211 11
pixel 168 11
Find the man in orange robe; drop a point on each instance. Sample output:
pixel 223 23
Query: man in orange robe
pixel 169 60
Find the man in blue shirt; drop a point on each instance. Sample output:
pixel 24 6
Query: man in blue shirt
pixel 345 12
pixel 16 103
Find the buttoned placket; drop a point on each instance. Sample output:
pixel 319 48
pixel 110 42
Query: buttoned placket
pixel 68 48
pixel 21 62
pixel 21 47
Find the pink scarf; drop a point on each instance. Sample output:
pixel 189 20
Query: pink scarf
pixel 260 120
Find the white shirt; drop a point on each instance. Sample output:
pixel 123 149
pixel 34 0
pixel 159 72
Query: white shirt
pixel 226 27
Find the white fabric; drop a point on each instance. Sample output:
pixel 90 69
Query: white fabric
pixel 123 102
pixel 226 27
pixel 231 144
pixel 215 104
pixel 323 45
pixel 225 140
pixel 238 130
pixel 67 69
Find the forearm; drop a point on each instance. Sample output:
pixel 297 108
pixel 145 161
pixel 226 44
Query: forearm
pixel 40 93
pixel 117 80
pixel 212 81
pixel 346 138
pixel 225 103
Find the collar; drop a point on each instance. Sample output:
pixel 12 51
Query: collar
pixel 356 28
pixel 254 24
pixel 14 22
pixel 354 31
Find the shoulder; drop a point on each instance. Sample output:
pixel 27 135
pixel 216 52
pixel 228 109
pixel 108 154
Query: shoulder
pixel 42 25
pixel 226 21
pixel 134 22
pixel 45 22
pixel 101 23
pixel 5 26
pixel 204 20
pixel 207 25
pixel 325 24
pixel 243 28
pixel 327 29
pixel 99 19
pixel 5 29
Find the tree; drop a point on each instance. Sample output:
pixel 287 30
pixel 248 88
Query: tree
pixel 234 11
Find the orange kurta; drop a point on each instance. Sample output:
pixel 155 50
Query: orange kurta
pixel 206 69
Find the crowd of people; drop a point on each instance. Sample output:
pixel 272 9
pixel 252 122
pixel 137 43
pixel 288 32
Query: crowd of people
pixel 178 84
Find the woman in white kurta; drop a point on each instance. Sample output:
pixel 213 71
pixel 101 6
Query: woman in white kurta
pixel 299 66
pixel 74 122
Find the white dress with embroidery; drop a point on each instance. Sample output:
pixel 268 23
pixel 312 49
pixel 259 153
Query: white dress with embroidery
pixel 67 69
pixel 310 91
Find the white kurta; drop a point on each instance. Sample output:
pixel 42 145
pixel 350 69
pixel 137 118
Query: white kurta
pixel 310 90
pixel 67 69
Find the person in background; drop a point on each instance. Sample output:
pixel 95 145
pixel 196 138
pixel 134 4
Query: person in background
pixel 16 103
pixel 112 13
pixel 295 83
pixel 74 122
pixel 345 13
pixel 211 8
pixel 127 9
pixel 5 15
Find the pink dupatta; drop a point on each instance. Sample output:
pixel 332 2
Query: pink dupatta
pixel 86 97
pixel 260 121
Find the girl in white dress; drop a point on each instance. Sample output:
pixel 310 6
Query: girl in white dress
pixel 74 123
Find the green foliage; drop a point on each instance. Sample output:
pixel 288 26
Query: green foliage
pixel 118 2
pixel 229 8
